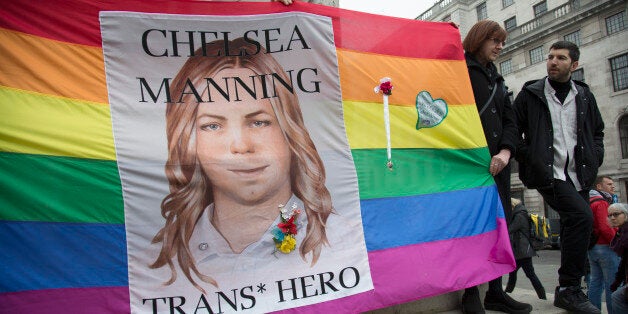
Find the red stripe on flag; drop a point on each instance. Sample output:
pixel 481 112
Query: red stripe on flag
pixel 77 22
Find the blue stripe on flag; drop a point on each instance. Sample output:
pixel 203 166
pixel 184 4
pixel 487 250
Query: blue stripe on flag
pixel 94 255
pixel 400 221
pixel 43 255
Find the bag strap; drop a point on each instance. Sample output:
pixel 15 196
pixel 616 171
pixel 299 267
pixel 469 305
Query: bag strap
pixel 490 98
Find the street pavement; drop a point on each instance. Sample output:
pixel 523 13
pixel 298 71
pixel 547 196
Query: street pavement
pixel 546 267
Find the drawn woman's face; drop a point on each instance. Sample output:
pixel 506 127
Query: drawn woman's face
pixel 240 145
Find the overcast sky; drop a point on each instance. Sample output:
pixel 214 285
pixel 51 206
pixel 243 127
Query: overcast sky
pixel 399 8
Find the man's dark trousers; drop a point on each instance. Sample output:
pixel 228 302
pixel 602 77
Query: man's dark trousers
pixel 576 224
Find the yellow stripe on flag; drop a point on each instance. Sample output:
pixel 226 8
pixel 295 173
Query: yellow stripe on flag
pixel 41 124
pixel 364 122
pixel 46 66
pixel 360 73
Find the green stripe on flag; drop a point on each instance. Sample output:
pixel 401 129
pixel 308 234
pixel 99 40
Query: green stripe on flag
pixel 59 189
pixel 420 171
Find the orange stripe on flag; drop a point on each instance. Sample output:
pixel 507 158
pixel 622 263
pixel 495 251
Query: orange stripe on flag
pixel 361 72
pixel 50 67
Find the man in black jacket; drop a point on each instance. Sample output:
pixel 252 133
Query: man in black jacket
pixel 559 154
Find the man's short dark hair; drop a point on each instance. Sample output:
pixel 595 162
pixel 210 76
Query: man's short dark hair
pixel 574 52
pixel 599 179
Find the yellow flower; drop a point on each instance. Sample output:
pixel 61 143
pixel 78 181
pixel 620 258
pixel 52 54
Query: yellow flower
pixel 287 245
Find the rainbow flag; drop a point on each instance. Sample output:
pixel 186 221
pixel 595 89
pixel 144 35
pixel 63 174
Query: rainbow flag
pixel 431 225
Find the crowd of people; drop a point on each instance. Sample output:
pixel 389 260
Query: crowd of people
pixel 555 131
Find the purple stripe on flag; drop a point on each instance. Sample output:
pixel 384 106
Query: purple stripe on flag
pixel 67 300
pixel 413 272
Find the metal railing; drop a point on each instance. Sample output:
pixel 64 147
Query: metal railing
pixel 553 16
pixel 551 19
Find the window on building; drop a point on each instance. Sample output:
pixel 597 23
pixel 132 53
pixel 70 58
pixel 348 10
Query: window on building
pixel 623 136
pixel 481 9
pixel 619 71
pixel 507 3
pixel 540 8
pixel 578 75
pixel 505 67
pixel 447 18
pixel 573 37
pixel 536 55
pixel 510 24
pixel 615 23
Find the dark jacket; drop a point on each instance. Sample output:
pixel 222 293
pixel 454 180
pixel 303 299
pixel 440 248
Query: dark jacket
pixel 535 152
pixel 519 231
pixel 619 244
pixel 498 120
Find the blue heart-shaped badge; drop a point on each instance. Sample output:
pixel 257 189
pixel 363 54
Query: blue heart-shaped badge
pixel 431 112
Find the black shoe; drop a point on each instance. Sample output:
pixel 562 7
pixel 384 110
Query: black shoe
pixel 574 300
pixel 471 303
pixel 504 303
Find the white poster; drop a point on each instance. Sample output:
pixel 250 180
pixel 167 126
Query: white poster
pixel 240 192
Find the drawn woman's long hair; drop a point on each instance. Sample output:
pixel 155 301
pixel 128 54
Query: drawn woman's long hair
pixel 190 188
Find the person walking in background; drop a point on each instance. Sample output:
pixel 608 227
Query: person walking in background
pixel 602 260
pixel 560 151
pixel 519 231
pixel 483 44
pixel 617 215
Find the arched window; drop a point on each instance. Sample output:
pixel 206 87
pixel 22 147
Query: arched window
pixel 623 136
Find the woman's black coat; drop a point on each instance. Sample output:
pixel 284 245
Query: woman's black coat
pixel 498 120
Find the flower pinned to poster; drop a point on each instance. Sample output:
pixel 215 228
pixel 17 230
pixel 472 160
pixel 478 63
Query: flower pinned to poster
pixel 287 245
pixel 288 227
pixel 286 230
pixel 385 86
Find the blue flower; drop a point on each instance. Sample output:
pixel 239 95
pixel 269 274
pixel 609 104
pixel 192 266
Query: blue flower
pixel 277 234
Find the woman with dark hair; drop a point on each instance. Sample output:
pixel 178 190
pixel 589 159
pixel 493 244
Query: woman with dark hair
pixel 483 44
pixel 245 177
